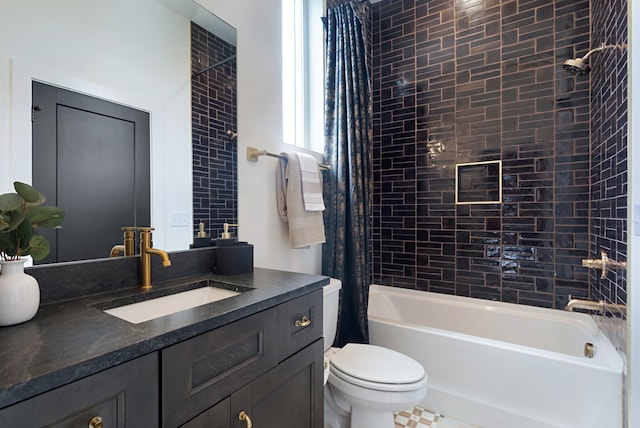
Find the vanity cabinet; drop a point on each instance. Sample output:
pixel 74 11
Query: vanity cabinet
pixel 268 365
pixel 122 396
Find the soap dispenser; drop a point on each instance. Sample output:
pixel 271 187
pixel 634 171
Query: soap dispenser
pixel 202 240
pixel 232 257
pixel 226 239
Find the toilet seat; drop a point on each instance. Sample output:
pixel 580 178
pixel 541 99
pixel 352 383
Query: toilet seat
pixel 377 368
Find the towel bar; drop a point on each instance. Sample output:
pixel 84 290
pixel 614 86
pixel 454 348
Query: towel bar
pixel 253 154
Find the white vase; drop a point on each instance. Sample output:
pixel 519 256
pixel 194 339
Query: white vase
pixel 19 293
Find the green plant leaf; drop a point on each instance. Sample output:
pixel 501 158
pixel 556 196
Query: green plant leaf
pixel 29 193
pixel 39 247
pixel 24 232
pixel 11 220
pixel 45 216
pixel 10 202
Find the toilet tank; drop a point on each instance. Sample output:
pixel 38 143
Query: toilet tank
pixel 331 300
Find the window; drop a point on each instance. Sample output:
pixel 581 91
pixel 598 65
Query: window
pixel 303 73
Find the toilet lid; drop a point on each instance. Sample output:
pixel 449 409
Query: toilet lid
pixel 376 364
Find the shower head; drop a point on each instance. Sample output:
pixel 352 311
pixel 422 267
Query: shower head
pixel 580 66
pixel 577 66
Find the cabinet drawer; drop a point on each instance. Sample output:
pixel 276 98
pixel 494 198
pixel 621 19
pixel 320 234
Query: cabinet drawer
pixel 123 396
pixel 200 372
pixel 299 323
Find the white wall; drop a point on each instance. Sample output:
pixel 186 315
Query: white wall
pixel 260 125
pixel 137 53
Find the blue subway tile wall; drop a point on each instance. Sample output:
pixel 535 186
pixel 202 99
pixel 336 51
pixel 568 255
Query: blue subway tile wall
pixel 484 78
pixel 213 113
pixel 609 159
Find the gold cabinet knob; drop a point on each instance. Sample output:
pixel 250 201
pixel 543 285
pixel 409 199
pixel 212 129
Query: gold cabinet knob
pixel 304 322
pixel 244 417
pixel 95 422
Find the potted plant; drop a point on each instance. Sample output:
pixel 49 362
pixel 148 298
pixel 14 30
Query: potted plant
pixel 21 214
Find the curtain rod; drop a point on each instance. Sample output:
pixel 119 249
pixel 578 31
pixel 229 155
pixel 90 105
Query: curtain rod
pixel 253 154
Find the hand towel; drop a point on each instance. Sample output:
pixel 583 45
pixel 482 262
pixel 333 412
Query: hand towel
pixel 305 227
pixel 311 184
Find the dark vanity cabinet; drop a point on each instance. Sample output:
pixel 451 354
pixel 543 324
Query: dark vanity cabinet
pixel 266 368
pixel 122 396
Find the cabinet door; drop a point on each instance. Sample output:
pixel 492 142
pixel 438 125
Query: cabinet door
pixel 204 370
pixel 123 396
pixel 217 416
pixel 288 396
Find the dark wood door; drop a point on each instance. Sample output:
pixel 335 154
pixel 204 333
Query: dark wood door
pixel 91 158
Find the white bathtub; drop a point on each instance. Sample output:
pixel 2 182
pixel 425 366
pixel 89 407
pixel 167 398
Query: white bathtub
pixel 501 365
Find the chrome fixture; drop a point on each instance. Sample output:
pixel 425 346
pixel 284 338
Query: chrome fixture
pixel 580 66
pixel 146 251
pixel 435 147
pixel 600 307
pixel 603 264
pixel 254 154
pixel 128 248
pixel 231 134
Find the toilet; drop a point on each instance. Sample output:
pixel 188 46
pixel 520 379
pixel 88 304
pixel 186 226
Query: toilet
pixel 365 384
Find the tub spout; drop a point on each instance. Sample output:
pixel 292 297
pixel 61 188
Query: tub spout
pixel 589 305
pixel 600 307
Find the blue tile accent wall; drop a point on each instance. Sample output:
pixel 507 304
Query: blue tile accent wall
pixel 609 77
pixel 485 78
pixel 213 112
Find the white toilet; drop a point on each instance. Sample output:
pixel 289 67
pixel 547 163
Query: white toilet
pixel 365 384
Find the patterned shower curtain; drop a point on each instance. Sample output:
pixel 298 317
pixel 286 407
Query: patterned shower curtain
pixel 347 188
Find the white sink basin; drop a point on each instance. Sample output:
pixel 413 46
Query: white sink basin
pixel 160 306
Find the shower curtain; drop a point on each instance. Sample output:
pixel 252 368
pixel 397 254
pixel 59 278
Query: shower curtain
pixel 347 188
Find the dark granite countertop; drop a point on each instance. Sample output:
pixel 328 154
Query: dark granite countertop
pixel 69 340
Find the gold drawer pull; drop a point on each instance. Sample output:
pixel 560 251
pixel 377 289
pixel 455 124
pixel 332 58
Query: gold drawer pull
pixel 304 322
pixel 95 422
pixel 244 417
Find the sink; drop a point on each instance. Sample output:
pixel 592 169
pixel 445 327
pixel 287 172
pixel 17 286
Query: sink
pixel 136 313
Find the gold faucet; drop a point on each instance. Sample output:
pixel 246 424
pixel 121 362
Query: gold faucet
pixel 146 251
pixel 129 246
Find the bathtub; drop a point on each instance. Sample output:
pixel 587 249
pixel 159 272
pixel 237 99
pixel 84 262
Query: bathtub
pixel 501 365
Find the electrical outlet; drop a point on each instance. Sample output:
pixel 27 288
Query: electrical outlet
pixel 179 220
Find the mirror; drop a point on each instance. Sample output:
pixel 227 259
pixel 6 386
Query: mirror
pixel 136 54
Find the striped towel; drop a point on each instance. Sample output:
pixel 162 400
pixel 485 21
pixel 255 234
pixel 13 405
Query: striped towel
pixel 305 227
pixel 311 184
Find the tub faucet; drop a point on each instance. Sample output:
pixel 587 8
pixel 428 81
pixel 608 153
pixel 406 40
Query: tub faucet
pixel 128 247
pixel 600 307
pixel 146 251
pixel 603 263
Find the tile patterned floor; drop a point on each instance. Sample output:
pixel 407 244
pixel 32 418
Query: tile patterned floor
pixel 421 418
